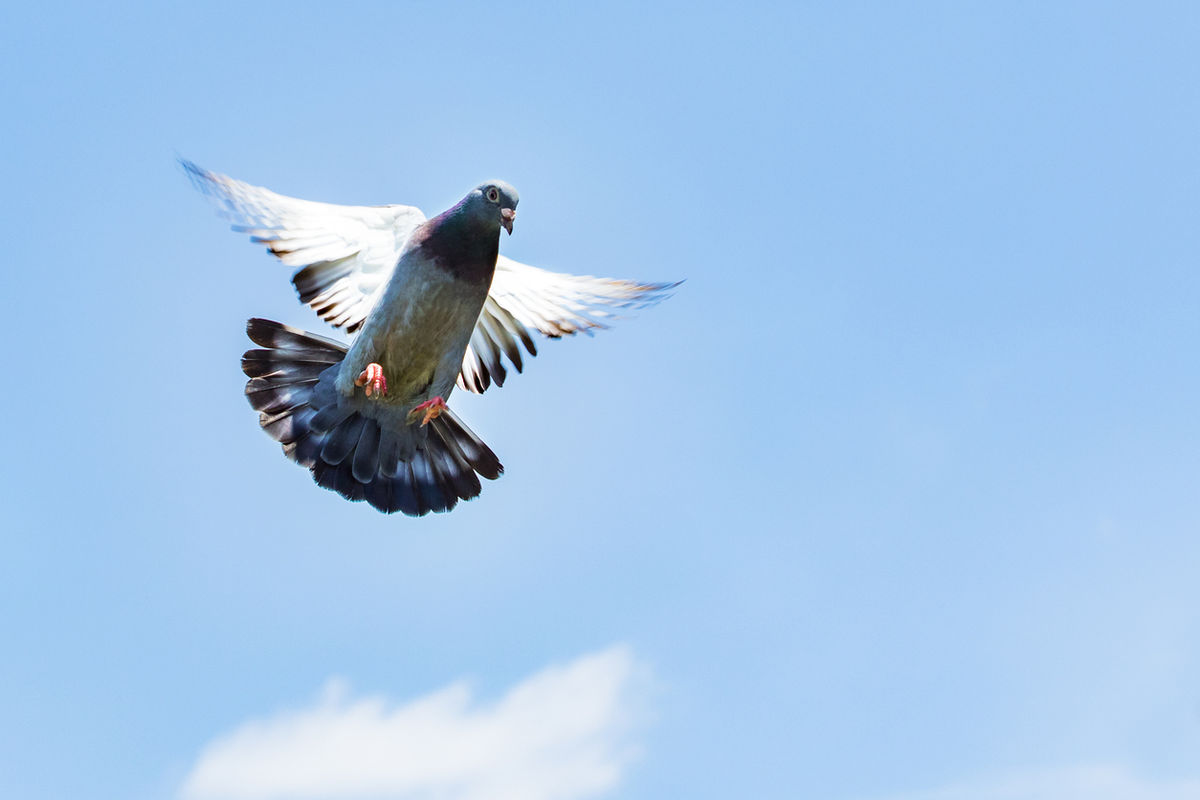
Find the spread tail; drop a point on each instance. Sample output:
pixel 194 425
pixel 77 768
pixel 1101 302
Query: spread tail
pixel 354 446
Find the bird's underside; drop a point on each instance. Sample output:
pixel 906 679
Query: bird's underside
pixel 370 420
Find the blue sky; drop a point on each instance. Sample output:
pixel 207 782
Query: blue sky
pixel 896 497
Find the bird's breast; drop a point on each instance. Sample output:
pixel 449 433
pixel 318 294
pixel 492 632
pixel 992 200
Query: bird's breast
pixel 423 333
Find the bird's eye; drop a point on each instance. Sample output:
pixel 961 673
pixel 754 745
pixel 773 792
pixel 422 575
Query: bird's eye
pixel 493 194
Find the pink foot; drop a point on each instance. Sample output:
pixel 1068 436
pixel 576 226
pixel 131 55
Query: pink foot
pixel 372 376
pixel 431 408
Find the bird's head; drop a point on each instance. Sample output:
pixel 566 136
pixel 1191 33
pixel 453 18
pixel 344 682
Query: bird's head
pixel 495 200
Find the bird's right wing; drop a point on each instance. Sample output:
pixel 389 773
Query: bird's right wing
pixel 523 299
pixel 347 253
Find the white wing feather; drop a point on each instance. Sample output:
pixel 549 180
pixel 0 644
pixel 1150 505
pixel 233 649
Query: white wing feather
pixel 525 298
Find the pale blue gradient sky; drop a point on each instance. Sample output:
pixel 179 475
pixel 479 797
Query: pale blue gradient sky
pixel 900 489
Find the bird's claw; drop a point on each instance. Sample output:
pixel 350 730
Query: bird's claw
pixel 430 409
pixel 372 378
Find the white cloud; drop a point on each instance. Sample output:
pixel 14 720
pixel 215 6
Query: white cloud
pixel 1089 782
pixel 561 734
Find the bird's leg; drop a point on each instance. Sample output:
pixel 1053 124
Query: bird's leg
pixel 430 409
pixel 373 378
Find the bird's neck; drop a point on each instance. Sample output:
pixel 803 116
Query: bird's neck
pixel 463 245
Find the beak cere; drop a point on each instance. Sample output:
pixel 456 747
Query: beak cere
pixel 507 215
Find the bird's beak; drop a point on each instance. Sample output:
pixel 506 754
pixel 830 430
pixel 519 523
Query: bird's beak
pixel 507 215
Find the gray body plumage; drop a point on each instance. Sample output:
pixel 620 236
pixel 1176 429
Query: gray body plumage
pixel 418 332
pixel 420 329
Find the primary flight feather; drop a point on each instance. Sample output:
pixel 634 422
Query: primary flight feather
pixel 434 306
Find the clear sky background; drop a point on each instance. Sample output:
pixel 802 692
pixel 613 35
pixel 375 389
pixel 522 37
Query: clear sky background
pixel 896 497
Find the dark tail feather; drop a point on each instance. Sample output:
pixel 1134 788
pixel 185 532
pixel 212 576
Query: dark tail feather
pixel 428 484
pixel 393 466
pixel 343 439
pixel 404 490
pixel 277 336
pixel 474 452
pixel 366 453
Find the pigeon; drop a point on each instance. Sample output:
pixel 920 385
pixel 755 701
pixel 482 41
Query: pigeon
pixel 434 307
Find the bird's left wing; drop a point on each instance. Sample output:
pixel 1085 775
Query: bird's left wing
pixel 347 253
pixel 525 299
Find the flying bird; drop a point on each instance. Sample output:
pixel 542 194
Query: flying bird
pixel 434 306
